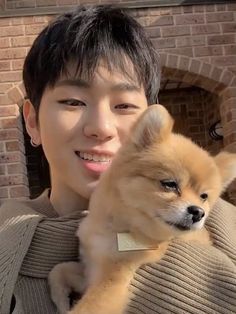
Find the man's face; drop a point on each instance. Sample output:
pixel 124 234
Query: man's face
pixel 83 124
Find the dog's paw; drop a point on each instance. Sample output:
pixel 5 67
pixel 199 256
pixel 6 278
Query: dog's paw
pixel 63 279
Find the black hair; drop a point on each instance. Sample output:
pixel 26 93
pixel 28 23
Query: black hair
pixel 86 35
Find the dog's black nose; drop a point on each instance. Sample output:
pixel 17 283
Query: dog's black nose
pixel 196 212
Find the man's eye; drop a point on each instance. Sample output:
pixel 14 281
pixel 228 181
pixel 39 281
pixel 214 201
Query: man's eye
pixel 72 102
pixel 170 185
pixel 126 106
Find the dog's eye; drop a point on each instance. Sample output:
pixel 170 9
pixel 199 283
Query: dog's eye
pixel 170 185
pixel 204 196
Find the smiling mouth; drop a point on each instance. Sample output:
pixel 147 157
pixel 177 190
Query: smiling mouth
pixel 93 157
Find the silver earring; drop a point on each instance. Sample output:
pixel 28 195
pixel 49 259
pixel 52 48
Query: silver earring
pixel 33 144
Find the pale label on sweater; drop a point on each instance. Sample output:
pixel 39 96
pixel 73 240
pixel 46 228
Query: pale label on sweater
pixel 125 242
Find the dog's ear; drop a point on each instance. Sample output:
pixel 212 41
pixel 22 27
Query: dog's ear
pixel 155 124
pixel 226 163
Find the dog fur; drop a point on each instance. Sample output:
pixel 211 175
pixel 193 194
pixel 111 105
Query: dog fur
pixel 154 179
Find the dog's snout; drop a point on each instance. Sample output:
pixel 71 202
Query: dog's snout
pixel 196 212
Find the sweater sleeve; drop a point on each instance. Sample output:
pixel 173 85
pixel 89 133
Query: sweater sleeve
pixel 17 226
pixel 192 278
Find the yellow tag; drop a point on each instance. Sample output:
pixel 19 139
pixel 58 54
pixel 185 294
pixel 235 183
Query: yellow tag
pixel 126 242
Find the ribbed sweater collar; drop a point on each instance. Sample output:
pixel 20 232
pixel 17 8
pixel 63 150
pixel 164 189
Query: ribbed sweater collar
pixel 54 240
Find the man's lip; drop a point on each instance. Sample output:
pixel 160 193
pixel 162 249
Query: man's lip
pixel 96 152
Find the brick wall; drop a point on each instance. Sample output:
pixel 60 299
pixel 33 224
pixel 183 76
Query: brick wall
pixel 196 43
pixel 195 111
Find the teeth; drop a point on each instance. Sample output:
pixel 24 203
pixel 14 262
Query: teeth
pixel 101 158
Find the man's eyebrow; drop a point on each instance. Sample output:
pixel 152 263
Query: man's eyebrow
pixel 73 82
pixel 120 87
pixel 124 86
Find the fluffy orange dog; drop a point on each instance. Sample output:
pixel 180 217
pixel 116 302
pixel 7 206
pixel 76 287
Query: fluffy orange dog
pixel 159 186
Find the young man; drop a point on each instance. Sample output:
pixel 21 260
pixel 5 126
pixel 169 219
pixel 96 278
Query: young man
pixel 88 77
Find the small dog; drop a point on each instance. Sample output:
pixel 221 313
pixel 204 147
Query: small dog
pixel 160 186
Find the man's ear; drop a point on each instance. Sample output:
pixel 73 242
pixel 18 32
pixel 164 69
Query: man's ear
pixel 226 163
pixel 31 123
pixel 155 124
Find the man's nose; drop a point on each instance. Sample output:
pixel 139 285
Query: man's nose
pixel 100 124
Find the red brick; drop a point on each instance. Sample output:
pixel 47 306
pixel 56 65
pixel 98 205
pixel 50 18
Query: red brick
pixel 232 7
pixel 2 147
pixel 219 17
pixel 220 7
pixel 181 51
pixel 140 12
pixel 153 32
pixel 13 180
pixel 19 191
pixel 210 8
pixel 206 69
pixel 14 146
pixel 233 69
pixel 5 65
pixel 190 41
pixel 228 27
pixel 224 61
pixel 216 73
pixel 164 43
pixel 17 64
pixel 15 94
pixel 12 31
pixel 8 135
pixel 6 158
pixel 198 8
pixel 176 10
pixel 230 50
pixel 33 29
pixel 144 21
pixel 184 64
pixel 208 51
pixel 221 39
pixel 3 192
pixel 189 19
pixel 176 31
pixel 6 111
pixel 205 29
pixel 16 169
pixel 34 20
pixel 153 11
pixel 195 66
pixel 163 58
pixel 188 9
pixel 8 123
pixel 12 53
pixel 161 20
pixel 4 87
pixel 5 21
pixel 15 76
pixel 17 21
pixel 226 77
pixel 4 42
pixel 22 41
pixel 2 169
pixel 172 61
pixel 4 100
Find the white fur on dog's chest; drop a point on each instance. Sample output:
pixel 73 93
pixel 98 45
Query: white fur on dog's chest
pixel 126 242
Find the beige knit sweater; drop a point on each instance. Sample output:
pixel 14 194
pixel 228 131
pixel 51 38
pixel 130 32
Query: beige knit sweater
pixel 191 278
